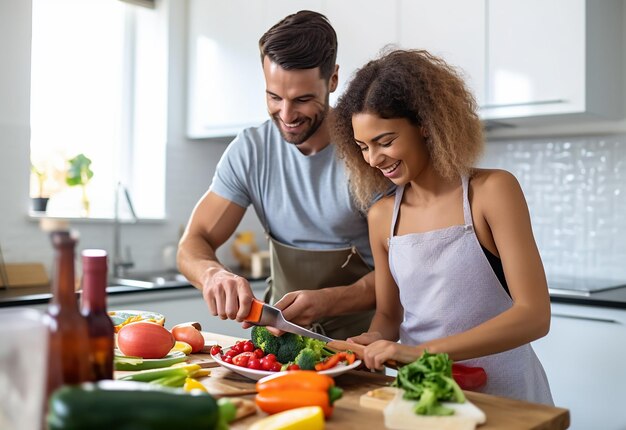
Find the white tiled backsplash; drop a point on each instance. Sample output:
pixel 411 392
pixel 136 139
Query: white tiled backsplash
pixel 576 193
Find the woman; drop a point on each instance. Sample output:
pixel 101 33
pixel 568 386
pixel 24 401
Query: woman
pixel 457 267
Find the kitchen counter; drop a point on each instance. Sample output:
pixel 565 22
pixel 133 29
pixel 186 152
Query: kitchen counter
pixel 348 414
pixel 27 296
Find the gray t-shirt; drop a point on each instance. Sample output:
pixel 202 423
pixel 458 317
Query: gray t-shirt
pixel 303 201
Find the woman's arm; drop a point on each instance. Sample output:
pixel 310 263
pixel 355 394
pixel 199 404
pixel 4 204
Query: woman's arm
pixel 389 311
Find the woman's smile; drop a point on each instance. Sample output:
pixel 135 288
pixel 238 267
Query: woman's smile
pixel 389 170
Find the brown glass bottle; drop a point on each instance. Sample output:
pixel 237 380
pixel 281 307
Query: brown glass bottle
pixel 93 307
pixel 68 341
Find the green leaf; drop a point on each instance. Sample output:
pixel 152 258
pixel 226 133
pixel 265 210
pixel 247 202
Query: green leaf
pixel 78 172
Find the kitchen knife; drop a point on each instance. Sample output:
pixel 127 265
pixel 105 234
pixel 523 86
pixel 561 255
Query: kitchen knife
pixel 265 315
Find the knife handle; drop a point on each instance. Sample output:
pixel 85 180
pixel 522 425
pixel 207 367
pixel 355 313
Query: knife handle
pixel 255 311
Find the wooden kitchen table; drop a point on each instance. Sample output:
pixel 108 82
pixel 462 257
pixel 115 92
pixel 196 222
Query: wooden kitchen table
pixel 502 413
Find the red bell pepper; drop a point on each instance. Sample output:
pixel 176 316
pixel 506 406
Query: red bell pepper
pixel 469 378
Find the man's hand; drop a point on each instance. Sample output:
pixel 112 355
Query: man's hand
pixel 227 295
pixel 366 338
pixel 303 307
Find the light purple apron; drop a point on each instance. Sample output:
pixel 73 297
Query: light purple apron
pixel 447 286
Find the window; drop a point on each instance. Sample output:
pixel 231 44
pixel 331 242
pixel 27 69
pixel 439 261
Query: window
pixel 98 88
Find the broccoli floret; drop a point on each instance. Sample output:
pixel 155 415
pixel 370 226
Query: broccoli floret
pixel 290 346
pixel 263 339
pixel 307 358
pixel 319 346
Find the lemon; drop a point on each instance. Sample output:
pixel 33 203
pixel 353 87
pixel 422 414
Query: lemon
pixel 182 346
pixel 193 384
pixel 305 418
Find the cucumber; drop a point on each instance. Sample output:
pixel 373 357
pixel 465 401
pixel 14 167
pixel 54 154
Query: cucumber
pixel 126 405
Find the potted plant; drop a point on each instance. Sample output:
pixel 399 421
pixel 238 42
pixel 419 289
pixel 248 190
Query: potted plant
pixel 40 202
pixel 79 173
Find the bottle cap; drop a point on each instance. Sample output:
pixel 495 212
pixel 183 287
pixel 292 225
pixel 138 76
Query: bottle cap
pixel 94 259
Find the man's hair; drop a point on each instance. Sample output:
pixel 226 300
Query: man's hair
pixel 304 40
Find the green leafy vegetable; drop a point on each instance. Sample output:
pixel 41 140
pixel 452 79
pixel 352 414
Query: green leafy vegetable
pixel 429 381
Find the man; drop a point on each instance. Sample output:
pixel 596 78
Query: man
pixel 286 168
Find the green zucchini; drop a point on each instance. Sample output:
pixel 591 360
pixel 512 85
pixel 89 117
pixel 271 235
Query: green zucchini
pixel 126 405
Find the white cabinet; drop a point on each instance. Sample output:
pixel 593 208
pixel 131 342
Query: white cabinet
pixel 522 59
pixel 549 57
pixel 583 356
pixel 451 29
pixel 226 88
pixel 363 29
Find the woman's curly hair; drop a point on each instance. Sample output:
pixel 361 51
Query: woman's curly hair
pixel 422 88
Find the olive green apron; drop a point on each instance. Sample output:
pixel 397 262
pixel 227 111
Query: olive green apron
pixel 294 269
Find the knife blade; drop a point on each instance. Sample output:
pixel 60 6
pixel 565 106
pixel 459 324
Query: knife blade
pixel 266 315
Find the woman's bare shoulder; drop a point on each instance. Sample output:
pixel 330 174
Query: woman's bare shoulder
pixel 493 181
pixel 382 209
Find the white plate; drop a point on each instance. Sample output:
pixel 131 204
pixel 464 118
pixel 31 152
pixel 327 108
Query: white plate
pixel 258 374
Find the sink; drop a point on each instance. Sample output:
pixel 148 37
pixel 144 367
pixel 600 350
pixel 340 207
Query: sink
pixel 151 280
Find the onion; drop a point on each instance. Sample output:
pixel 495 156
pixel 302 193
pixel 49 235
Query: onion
pixel 186 332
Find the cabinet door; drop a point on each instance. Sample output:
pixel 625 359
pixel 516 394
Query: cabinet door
pixel 364 28
pixel 226 85
pixel 583 356
pixel 451 29
pixel 536 57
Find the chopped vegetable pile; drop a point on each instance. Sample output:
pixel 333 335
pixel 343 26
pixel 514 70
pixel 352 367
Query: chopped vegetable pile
pixel 287 352
pixel 429 380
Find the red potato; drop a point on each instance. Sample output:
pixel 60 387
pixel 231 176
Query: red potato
pixel 188 333
pixel 145 339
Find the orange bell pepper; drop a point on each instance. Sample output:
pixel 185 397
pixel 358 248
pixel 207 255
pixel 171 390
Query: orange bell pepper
pixel 297 389
pixel 334 359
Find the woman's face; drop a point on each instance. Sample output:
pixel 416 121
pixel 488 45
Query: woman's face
pixel 395 146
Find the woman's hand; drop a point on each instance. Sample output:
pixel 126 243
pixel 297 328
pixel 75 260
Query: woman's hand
pixel 377 353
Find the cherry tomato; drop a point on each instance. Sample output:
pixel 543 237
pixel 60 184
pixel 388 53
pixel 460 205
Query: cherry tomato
pixel 248 346
pixel 216 349
pixel 265 363
pixel 276 366
pixel 293 367
pixel 227 359
pixel 254 363
pixel 258 353
pixel 231 353
pixel 237 348
pixel 270 357
pixel 242 359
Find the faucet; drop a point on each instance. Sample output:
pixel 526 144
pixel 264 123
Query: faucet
pixel 120 264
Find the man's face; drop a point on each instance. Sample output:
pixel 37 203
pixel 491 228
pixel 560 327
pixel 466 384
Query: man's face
pixel 297 100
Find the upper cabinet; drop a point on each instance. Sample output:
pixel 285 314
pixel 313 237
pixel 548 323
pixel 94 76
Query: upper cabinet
pixel 524 60
pixel 226 85
pixel 451 29
pixel 553 57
